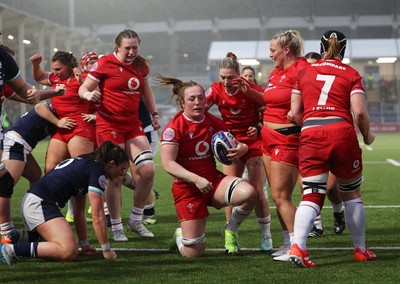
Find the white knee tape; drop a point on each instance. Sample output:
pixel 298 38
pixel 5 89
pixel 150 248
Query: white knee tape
pixel 230 189
pixel 143 158
pixel 194 241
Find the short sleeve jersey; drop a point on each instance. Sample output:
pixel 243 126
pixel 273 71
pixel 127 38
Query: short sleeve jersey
pixel 278 93
pixel 121 86
pixel 33 128
pixel 194 141
pixel 238 111
pixel 326 88
pixel 9 70
pixel 69 104
pixel 72 177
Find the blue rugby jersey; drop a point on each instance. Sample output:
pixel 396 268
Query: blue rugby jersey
pixel 71 177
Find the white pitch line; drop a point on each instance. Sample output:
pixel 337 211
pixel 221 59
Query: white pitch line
pixel 249 249
pixel 369 148
pixel 393 162
pixel 366 206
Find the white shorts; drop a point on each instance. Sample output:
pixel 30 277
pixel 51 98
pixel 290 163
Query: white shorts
pixel 14 147
pixel 36 211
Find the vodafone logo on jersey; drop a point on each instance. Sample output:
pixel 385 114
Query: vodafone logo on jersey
pixel 235 111
pixel 133 84
pixel 202 148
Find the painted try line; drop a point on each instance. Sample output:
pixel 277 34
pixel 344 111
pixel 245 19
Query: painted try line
pixel 390 161
pixel 393 162
pixel 366 206
pixel 249 249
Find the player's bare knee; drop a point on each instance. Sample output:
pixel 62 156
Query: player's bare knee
pixel 146 172
pixel 70 253
pixel 193 247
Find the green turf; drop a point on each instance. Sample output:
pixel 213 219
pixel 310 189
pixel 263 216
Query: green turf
pixel 250 266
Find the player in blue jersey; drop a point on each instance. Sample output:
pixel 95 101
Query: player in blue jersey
pixel 11 75
pixel 40 208
pixel 19 142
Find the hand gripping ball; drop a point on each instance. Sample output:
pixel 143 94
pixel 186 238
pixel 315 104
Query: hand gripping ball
pixel 220 143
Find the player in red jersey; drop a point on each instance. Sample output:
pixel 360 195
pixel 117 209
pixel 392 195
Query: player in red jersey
pixel 122 78
pixel 331 189
pixel 88 62
pixel 322 99
pixel 249 74
pixel 241 115
pixel 281 136
pixel 65 143
pixel 186 155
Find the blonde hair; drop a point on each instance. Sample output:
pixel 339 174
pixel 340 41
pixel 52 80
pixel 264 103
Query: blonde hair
pixel 293 40
pixel 230 62
pixel 178 87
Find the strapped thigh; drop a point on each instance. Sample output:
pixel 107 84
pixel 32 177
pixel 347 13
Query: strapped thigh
pixel 230 189
pixel 143 158
pixel 349 187
pixel 314 189
pixel 315 184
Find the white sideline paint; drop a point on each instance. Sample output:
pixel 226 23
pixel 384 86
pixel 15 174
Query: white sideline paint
pixel 366 206
pixel 393 162
pixel 248 249
pixel 258 249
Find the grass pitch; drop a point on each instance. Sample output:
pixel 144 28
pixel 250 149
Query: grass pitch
pixel 150 261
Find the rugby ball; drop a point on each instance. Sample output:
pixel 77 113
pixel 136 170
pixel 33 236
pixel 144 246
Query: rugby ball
pixel 220 143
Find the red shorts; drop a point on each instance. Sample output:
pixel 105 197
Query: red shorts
pixel 254 149
pixel 333 147
pixel 87 131
pixel 190 203
pixel 280 147
pixel 118 134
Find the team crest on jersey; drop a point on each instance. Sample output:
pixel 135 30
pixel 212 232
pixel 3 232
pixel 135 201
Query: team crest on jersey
pixel 283 77
pixel 168 134
pixel 190 207
pixel 103 181
pixel 114 134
